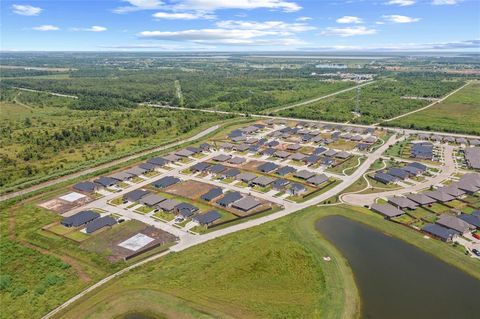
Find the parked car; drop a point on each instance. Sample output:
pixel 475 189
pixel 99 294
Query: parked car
pixel 179 219
pixel 476 252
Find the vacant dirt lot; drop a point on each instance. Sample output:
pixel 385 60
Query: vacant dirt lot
pixel 189 189
pixel 252 165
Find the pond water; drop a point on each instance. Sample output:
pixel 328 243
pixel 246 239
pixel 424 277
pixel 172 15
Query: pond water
pixel 138 315
pixel 398 280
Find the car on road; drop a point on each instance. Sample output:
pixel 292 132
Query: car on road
pixel 476 252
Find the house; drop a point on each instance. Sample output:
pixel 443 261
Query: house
pixel 208 218
pixel 226 146
pixel 251 140
pixel 272 144
pixel 421 199
pixel 370 139
pixel 440 232
pixel 194 150
pixel 411 170
pixel 212 194
pixel 134 196
pixel 439 196
pixel 216 169
pixel 398 172
pixel 166 181
pixel 185 209
pixel 184 153
pixel 454 223
pixel 342 155
pixel 449 139
pixel 268 151
pixel 280 184
pixel 452 190
pixel 296 189
pixel 472 220
pixel 319 150
pixel 402 202
pixel 80 218
pixel 240 138
pixel 241 147
pixel 294 147
pixel 297 157
pixel 472 157
pixel 121 176
pixel 312 159
pixel 205 147
pixel 356 138
pixel 387 210
pixel 267 167
pixel 247 203
pixel 282 154
pixel 420 166
pixel 328 141
pixel 304 174
pixel 237 160
pixel 326 161
pixel 151 200
pixel 199 167
pixel 147 167
pixel 135 171
pixel 363 146
pixel 330 153
pixel 282 171
pixel 106 181
pixel 246 177
pixel 235 133
pixel 222 158
pixel 167 205
pixel 157 161
pixel 172 158
pixel 318 179
pixel 461 140
pixel 229 198
pixel 422 150
pixel 263 181
pixel 100 223
pixel 230 173
pixel 86 187
pixel 385 178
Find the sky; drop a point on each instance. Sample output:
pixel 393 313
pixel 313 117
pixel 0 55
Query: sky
pixel 240 25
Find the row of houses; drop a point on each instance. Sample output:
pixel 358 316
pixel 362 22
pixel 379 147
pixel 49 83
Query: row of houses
pixel 395 174
pixel 448 139
pixel 447 226
pixel 90 219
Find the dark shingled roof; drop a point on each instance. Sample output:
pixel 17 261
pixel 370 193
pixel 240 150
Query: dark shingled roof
pixel 398 172
pixel 199 167
pixel 231 172
pixel 440 196
pixel 247 203
pixel 402 202
pixel 166 181
pixel 87 187
pixel 304 174
pixel 280 183
pixel 212 194
pixel 217 168
pixel 106 181
pixel 157 161
pixel 267 167
pixel 186 206
pixel 151 199
pixel 135 195
pixel 282 171
pixel 80 218
pixel 207 218
pixel 454 223
pixel 439 231
pixel 229 198
pixel 385 178
pixel 318 179
pixel 147 166
pixel 99 223
pixel 421 199
pixel 387 210
pixel 472 220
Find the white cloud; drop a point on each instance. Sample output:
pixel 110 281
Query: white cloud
pixel 278 26
pixel 182 16
pixel 395 18
pixel 444 2
pixel 348 31
pixel 46 27
pixel 93 28
pixel 401 3
pixel 303 19
pixel 349 19
pixel 137 5
pixel 26 10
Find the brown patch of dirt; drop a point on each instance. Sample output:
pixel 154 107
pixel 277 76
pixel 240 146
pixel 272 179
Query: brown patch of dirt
pixel 189 189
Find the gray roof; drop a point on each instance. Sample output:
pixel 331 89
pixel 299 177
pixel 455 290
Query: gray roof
pixel 135 195
pixel 80 218
pixel 267 167
pixel 440 196
pixel 454 223
pixel 217 168
pixel 167 205
pixel 171 158
pixel 318 179
pixel 99 223
pixel 151 199
pixel 342 154
pixel 147 166
pixel 472 156
pixel 207 218
pixel 166 181
pixel 304 174
pixel 121 176
pixel 222 158
pixel 231 172
pixel 282 154
pixel 402 202
pixel 87 187
pixel 294 147
pixel 421 199
pixel 330 153
pixel 297 156
pixel 246 177
pixel 471 219
pixel 229 198
pixel 452 190
pixel 280 183
pixel 106 181
pixel 200 167
pixel 237 160
pixel 282 171
pixel 157 161
pixel 135 171
pixel 385 178
pixel 247 203
pixel 439 231
pixel 263 180
pixel 212 194
pixel 184 153
pixel 387 210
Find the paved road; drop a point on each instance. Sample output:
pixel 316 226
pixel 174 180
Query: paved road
pixel 188 240
pixel 321 97
pixel 106 165
pixel 429 105
pixel 46 92
pixel 446 171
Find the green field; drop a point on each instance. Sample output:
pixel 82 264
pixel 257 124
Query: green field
pixel 460 113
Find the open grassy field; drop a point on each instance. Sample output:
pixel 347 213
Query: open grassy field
pixel 460 113
pixel 284 276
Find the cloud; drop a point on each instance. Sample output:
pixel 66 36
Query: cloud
pixel 278 26
pixel 349 19
pixel 26 10
pixel 209 5
pixel 444 2
pixel 46 27
pixel 93 28
pixel 401 3
pixel 303 19
pixel 395 18
pixel 348 31
pixel 182 16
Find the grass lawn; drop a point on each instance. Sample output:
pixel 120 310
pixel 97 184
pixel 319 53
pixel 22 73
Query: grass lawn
pixel 77 236
pixel 116 201
pixel 137 179
pixel 144 209
pixel 59 229
pixel 165 216
pixel 349 163
pixel 151 174
pixel 438 208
